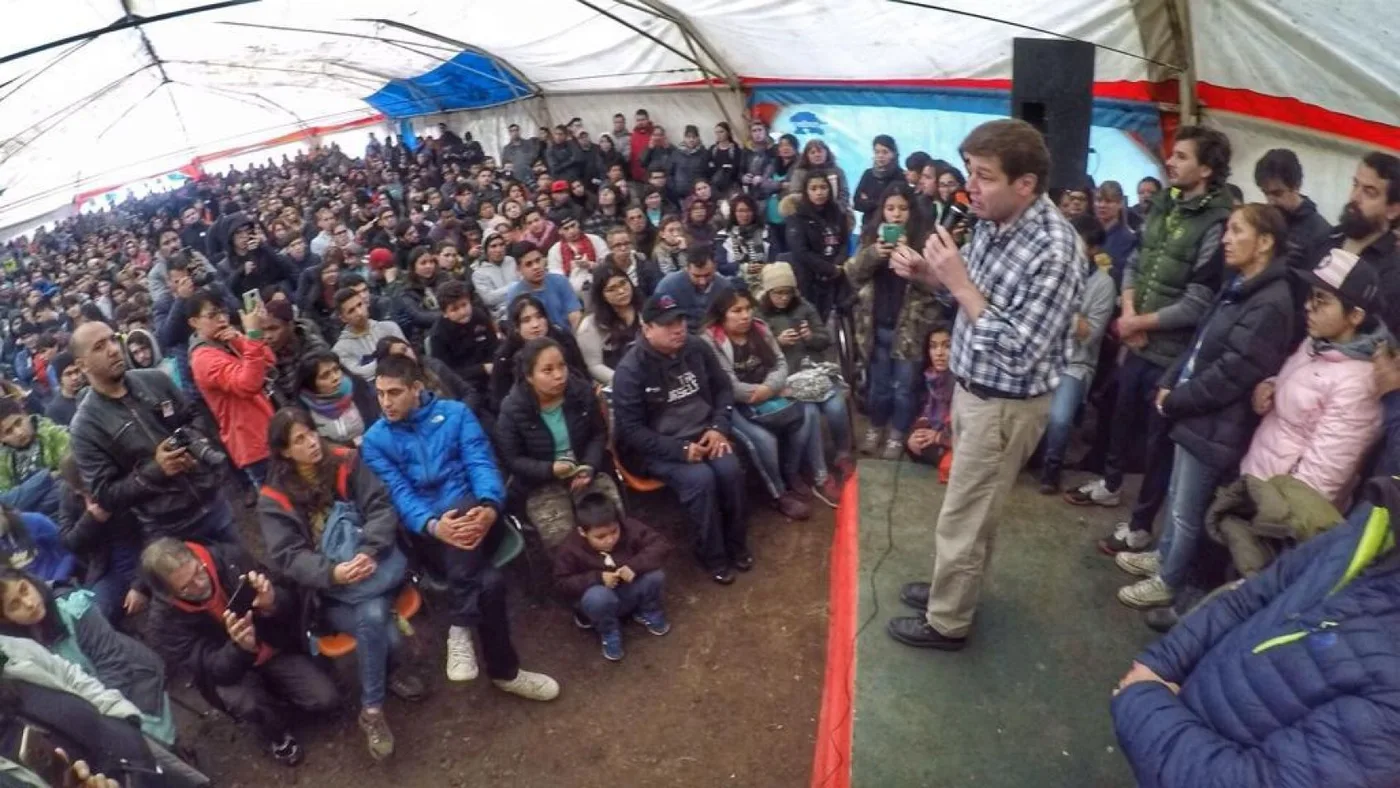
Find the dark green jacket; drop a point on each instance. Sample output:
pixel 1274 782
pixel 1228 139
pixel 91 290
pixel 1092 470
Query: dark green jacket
pixel 1170 254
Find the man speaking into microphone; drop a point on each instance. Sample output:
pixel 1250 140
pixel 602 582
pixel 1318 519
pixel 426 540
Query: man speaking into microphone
pixel 1017 286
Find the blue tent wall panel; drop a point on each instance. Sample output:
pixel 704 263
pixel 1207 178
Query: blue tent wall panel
pixel 467 81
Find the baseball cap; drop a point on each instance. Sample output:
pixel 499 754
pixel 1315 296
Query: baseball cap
pixel 559 186
pixel 1348 276
pixel 380 258
pixel 661 309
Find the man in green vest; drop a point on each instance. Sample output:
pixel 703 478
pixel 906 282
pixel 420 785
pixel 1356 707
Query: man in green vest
pixel 1168 286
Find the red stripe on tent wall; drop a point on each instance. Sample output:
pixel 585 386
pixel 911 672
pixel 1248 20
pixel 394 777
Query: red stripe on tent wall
pixel 1292 112
pixel 831 764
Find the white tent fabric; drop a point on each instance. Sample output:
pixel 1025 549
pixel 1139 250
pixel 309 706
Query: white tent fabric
pixel 148 98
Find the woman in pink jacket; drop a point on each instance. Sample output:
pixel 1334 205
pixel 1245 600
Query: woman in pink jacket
pixel 1321 412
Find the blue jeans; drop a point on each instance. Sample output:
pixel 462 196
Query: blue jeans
pixel 376 637
pixel 1189 494
pixel 838 421
pixel 38 493
pixel 779 465
pixel 891 385
pixel 605 607
pixel 110 589
pixel 1069 395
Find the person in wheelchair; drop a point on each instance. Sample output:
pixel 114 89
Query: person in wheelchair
pixel 551 437
pixel 804 339
pixel 317 496
pixel 439 468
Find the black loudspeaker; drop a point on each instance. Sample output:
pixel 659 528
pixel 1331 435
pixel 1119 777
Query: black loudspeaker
pixel 1052 88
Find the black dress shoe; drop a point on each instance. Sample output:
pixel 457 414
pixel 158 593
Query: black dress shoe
pixel 1160 619
pixel 724 576
pixel 914 595
pixel 743 562
pixel 915 631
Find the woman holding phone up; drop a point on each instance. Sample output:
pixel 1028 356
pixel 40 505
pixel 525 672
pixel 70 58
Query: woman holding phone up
pixel 893 320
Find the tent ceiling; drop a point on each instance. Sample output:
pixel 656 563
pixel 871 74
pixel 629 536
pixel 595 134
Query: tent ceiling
pixel 137 101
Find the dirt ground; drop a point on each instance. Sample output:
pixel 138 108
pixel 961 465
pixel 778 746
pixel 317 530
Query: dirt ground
pixel 728 698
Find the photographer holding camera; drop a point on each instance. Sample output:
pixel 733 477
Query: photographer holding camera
pixel 135 452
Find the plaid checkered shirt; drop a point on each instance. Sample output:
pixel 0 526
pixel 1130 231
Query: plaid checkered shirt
pixel 1031 274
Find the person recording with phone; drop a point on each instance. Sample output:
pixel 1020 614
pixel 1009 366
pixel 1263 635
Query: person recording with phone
pixel 135 450
pixel 236 373
pixel 216 613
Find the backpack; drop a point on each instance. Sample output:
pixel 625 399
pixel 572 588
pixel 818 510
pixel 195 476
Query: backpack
pixel 341 540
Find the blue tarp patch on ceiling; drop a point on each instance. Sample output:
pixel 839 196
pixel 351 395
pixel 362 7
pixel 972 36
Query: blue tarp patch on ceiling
pixel 467 81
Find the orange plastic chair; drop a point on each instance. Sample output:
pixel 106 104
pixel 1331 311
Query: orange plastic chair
pixel 630 480
pixel 337 645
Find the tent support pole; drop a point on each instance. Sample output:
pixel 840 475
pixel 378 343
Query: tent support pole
pixel 1179 18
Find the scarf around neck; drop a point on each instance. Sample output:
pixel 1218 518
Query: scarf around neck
pixel 334 406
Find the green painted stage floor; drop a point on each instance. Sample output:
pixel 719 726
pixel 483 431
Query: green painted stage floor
pixel 1026 703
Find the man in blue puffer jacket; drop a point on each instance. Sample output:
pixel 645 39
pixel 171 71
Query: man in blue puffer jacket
pixel 438 465
pixel 1291 679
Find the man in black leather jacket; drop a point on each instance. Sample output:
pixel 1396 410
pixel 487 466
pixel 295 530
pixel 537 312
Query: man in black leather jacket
pixel 121 437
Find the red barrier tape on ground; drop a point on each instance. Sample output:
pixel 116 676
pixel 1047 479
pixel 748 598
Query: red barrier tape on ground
pixel 831 765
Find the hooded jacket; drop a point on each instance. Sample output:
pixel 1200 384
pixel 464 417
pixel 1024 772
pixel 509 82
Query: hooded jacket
pixel 235 380
pixel 1243 340
pixel 294 551
pixel 817 243
pixel 1325 417
pixel 526 444
pixel 53 447
pixel 433 460
pixel 268 267
pixel 650 388
pixel 1288 680
pixel 578 567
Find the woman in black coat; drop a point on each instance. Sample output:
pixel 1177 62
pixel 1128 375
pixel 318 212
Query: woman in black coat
pixel 1206 395
pixel 817 237
pixel 874 181
pixel 551 434
pixel 527 320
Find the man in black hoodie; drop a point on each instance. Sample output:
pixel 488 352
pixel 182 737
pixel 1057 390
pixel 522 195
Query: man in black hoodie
pixel 250 265
pixel 671 407
pixel 1279 175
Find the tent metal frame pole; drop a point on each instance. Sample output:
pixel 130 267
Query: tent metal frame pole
pixel 125 23
pixel 679 19
pixel 1179 19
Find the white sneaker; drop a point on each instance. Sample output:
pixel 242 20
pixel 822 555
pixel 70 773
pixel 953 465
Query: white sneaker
pixel 531 686
pixel 1095 492
pixel 461 655
pixel 1139 564
pixel 1152 592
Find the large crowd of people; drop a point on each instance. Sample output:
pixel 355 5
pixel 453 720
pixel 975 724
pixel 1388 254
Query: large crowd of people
pixel 393 357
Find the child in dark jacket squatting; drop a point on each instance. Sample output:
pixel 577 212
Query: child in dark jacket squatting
pixel 610 568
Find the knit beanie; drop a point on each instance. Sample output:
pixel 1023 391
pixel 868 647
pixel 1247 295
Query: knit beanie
pixel 777 275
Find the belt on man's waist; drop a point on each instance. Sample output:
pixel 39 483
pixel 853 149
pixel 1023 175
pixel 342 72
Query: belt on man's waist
pixel 987 392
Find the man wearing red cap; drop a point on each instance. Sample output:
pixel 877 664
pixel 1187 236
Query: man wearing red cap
pixel 563 206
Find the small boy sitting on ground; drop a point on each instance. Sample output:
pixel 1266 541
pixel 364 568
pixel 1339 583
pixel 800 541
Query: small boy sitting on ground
pixel 610 568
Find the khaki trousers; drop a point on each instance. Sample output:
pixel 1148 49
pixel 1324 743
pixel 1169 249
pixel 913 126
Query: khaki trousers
pixel 992 439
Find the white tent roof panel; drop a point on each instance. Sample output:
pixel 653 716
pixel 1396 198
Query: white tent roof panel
pixel 88 113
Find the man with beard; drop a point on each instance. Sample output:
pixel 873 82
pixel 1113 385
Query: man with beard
pixel 1366 228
